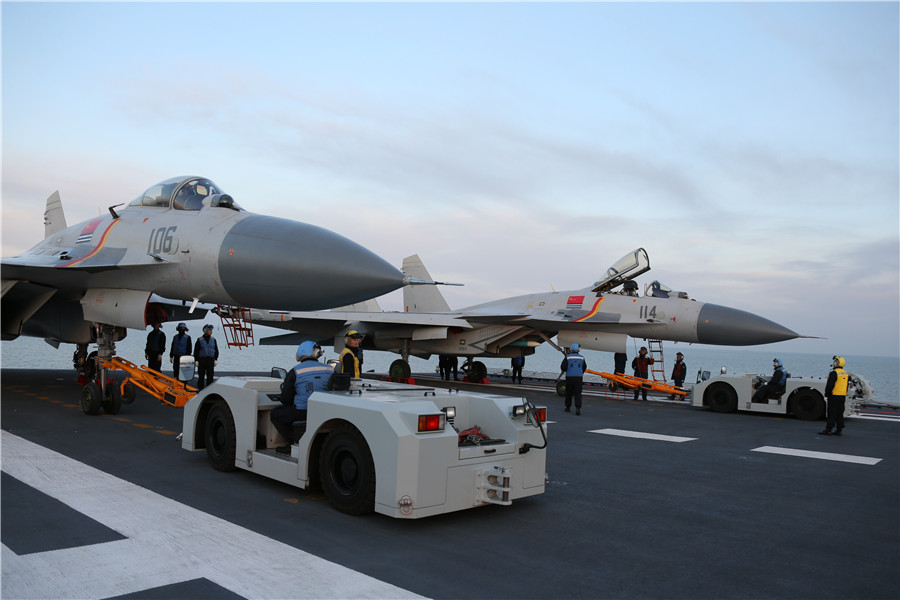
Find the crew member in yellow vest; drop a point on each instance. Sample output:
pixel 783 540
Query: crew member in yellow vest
pixel 836 396
pixel 351 355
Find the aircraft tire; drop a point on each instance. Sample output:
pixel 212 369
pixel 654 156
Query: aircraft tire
pixel 477 372
pixel 807 405
pixel 721 397
pixel 221 439
pixel 347 471
pixel 399 369
pixel 112 404
pixel 128 394
pixel 561 387
pixel 91 399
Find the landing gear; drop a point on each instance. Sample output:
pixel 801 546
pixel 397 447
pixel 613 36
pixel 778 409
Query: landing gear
pixel 399 369
pixel 98 392
pixel 475 370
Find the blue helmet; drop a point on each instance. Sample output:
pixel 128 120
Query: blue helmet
pixel 309 349
pixel 576 347
pixel 777 362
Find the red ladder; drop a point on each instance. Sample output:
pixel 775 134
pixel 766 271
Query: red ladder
pixel 237 325
pixel 658 367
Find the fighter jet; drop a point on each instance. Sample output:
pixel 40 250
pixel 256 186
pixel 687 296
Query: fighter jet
pixel 182 242
pixel 598 317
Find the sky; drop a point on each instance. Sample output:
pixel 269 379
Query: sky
pixel 751 149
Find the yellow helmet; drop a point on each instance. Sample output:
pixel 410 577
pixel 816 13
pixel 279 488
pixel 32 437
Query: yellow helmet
pixel 839 361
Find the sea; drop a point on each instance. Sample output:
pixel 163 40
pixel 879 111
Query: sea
pixel 882 372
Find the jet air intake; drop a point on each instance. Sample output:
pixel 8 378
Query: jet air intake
pixel 724 326
pixel 271 263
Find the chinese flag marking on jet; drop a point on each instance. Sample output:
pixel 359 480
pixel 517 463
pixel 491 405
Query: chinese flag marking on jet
pixel 574 301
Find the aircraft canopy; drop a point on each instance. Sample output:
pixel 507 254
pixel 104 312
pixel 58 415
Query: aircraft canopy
pixel 625 269
pixel 184 193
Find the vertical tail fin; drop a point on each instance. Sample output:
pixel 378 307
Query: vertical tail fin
pixel 421 298
pixel 54 217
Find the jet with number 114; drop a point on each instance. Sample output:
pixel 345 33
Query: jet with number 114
pixel 598 317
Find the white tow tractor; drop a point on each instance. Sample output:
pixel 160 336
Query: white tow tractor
pixel 804 397
pixel 401 450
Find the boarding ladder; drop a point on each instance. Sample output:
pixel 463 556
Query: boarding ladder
pixel 658 368
pixel 237 325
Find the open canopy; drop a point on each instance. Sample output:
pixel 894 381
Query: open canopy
pixel 625 269
pixel 185 193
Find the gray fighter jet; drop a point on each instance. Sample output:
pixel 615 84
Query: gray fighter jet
pixel 598 317
pixel 182 242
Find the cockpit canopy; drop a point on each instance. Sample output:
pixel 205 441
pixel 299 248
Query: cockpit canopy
pixel 626 268
pixel 185 193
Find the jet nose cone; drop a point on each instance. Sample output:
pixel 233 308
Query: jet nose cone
pixel 271 263
pixel 726 326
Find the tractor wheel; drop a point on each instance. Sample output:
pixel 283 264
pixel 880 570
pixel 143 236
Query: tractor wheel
pixel 348 471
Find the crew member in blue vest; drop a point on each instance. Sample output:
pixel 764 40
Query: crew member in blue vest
pixel 206 357
pixel 836 396
pixel 641 365
pixel 181 346
pixel 517 362
pixel 775 386
pixel 574 366
pixel 307 376
pixel 679 372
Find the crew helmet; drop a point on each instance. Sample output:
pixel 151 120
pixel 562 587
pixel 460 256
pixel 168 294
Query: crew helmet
pixel 777 362
pixel 309 349
pixel 576 347
pixel 182 327
pixel 642 350
pixel 353 334
pixel 208 327
pixel 839 361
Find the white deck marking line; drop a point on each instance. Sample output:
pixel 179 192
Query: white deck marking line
pixel 168 542
pixel 642 435
pixel 876 418
pixel 862 460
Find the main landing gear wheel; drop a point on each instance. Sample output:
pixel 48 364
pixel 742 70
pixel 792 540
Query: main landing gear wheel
pixel 112 404
pixel 477 372
pixel 348 471
pixel 221 438
pixel 808 406
pixel 399 369
pixel 721 397
pixel 91 399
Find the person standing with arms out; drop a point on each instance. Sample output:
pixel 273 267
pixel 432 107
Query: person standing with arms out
pixel 517 362
pixel 836 396
pixel 574 366
pixel 181 346
pixel 679 372
pixel 351 355
pixel 307 376
pixel 156 346
pixel 641 365
pixel 206 356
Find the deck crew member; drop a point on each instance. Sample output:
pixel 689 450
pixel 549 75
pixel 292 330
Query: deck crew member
pixel 351 355
pixel 206 357
pixel 641 365
pixel 574 366
pixel 155 348
pixel 517 362
pixel 181 346
pixel 679 372
pixel 836 396
pixel 307 376
pixel 774 388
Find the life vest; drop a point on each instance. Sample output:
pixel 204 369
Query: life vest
pixel 206 348
pixel 840 385
pixel 575 365
pixel 355 361
pixel 180 344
